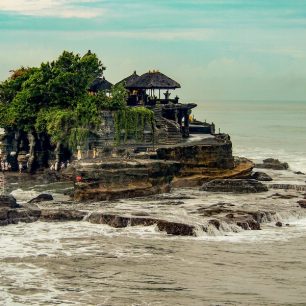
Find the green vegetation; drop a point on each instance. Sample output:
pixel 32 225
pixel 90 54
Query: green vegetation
pixel 51 99
pixel 131 122
pixel 52 102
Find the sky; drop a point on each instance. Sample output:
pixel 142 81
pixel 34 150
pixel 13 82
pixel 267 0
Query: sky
pixel 216 49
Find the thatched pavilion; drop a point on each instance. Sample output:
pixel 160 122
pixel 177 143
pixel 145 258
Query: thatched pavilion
pixel 129 80
pixel 100 84
pixel 145 87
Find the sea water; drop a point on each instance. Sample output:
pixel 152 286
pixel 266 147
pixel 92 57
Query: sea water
pixel 78 263
pixel 261 129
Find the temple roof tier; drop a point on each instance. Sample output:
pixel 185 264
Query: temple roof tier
pixel 154 80
pixel 100 84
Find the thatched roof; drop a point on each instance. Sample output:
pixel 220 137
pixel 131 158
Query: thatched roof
pixel 100 84
pixel 154 80
pixel 129 80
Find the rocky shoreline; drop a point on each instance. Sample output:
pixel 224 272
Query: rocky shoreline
pixel 221 216
pixel 206 167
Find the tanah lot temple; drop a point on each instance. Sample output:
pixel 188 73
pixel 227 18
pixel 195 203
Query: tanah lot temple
pixel 173 120
pixel 152 144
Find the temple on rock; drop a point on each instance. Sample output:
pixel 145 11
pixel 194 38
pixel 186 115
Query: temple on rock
pixel 152 117
pixel 153 90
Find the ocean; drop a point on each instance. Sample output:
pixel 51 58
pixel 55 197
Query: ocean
pixel 78 263
pixel 261 129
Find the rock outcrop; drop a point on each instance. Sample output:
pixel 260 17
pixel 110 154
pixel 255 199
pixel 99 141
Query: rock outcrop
pixel 8 201
pixel 234 185
pixel 117 221
pixel 208 159
pixel 302 203
pixel 115 179
pixel 12 213
pixel 225 213
pixel 274 164
pixel 261 176
pixel 42 198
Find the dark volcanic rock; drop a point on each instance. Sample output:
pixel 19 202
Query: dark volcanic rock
pixel 14 216
pixel 261 176
pixel 283 196
pixel 62 215
pixel 117 221
pixel 234 185
pixel 41 198
pixel 302 203
pixel 249 224
pixel 279 224
pixel 299 173
pixel 271 163
pixel 8 201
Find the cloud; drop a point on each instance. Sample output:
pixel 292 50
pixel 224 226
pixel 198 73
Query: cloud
pixel 52 8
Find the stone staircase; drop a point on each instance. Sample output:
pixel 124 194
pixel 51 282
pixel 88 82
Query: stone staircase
pixel 168 132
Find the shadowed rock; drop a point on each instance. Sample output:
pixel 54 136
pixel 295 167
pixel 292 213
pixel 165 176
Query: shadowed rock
pixel 14 216
pixel 234 186
pixel 8 201
pixel 302 203
pixel 62 215
pixel 274 164
pixel 261 176
pixel 299 173
pixel 283 196
pixel 42 198
pixel 117 221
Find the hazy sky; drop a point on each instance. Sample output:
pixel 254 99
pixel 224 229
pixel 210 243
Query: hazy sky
pixel 216 49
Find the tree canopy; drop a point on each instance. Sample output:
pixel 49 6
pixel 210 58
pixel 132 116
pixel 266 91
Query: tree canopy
pixel 54 98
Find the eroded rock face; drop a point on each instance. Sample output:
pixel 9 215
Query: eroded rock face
pixel 123 179
pixel 212 153
pixel 261 176
pixel 234 185
pixel 271 163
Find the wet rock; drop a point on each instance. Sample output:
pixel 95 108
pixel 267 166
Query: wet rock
pixel 261 176
pixel 299 173
pixel 248 224
pixel 302 203
pixel 216 223
pixel 62 215
pixel 279 224
pixel 42 198
pixel 274 164
pixel 8 201
pixel 117 221
pixel 283 196
pixel 288 187
pixel 234 185
pixel 14 216
pixel 177 229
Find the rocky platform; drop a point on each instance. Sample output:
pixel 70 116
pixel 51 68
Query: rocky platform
pixel 218 214
pixel 235 186
pixel 216 217
pixel 185 165
pixel 107 180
